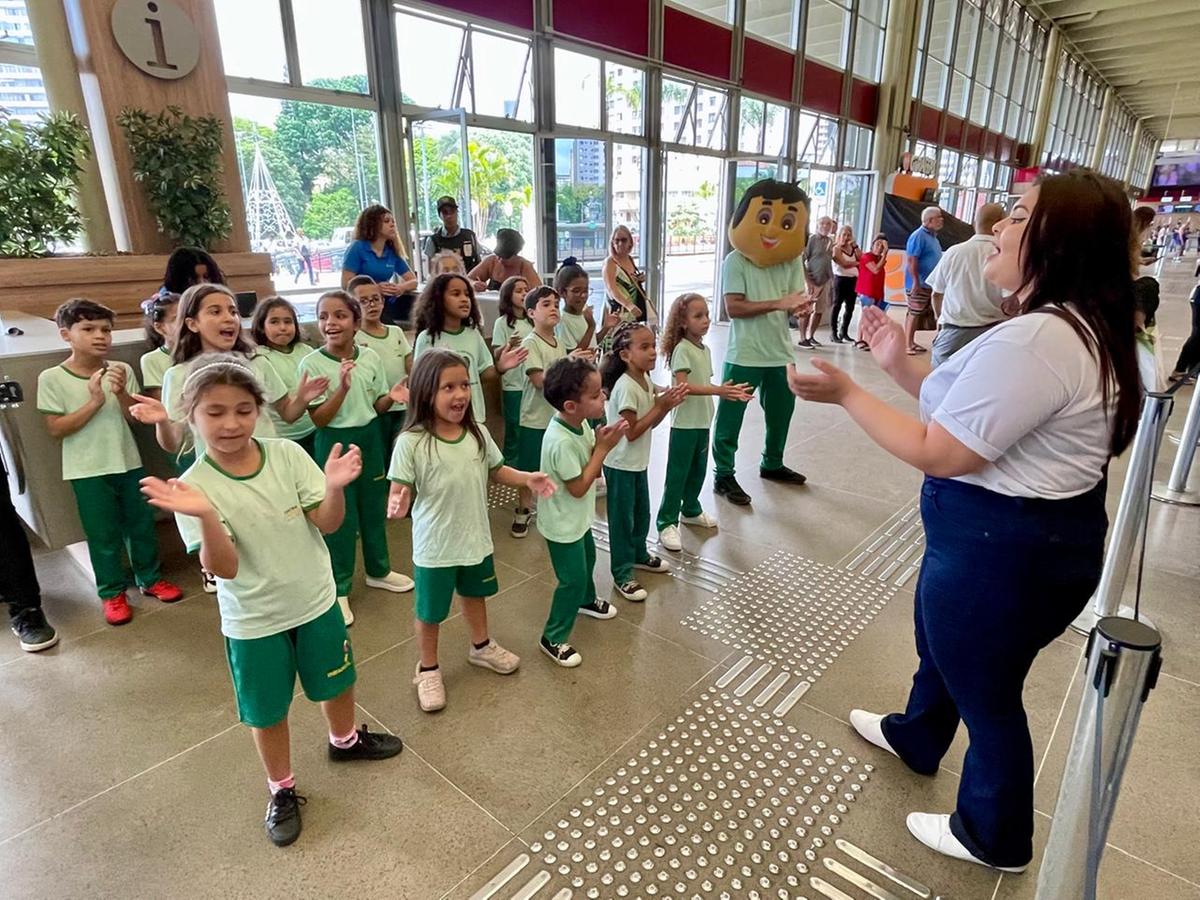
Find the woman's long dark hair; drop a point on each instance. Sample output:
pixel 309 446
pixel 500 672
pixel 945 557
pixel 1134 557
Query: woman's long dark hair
pixel 423 383
pixel 613 366
pixel 430 314
pixel 1076 254
pixel 187 342
pixel 181 269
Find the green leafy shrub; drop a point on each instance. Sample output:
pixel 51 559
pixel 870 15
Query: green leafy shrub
pixel 39 176
pixel 177 158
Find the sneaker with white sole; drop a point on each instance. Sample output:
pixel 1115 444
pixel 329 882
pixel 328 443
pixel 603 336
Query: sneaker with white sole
pixel 563 654
pixel 598 609
pixel 869 726
pixel 520 523
pixel 669 538
pixel 632 591
pixel 208 581
pixel 704 520
pixel 431 691
pixel 653 564
pixel 392 581
pixel 494 657
pixel 933 830
pixel 344 606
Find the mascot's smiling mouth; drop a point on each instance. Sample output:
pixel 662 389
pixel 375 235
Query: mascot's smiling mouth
pixel 769 242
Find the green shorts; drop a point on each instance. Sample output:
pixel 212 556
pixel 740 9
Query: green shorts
pixel 436 586
pixel 264 669
pixel 529 451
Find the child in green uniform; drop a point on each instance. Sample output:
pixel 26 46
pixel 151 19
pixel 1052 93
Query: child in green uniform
pixel 687 454
pixel 446 460
pixel 541 348
pixel 160 312
pixel 512 326
pixel 572 456
pixel 255 508
pixel 632 396
pixel 86 401
pixel 577 323
pixel 346 414
pixel 448 316
pixel 276 331
pixel 390 344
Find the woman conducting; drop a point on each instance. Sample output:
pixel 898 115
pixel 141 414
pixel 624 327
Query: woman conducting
pixel 1014 437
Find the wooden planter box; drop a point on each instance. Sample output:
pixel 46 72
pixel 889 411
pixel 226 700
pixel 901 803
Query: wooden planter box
pixel 38 286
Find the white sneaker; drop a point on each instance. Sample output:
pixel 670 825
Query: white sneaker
pixel 494 657
pixel 208 581
pixel 632 591
pixel 344 606
pixel 392 581
pixel 704 520
pixel 669 538
pixel 869 726
pixel 431 691
pixel 934 832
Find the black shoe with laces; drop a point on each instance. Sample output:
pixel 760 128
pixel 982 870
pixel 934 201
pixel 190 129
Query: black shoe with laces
pixel 33 631
pixel 283 817
pixel 598 609
pixel 563 654
pixel 784 474
pixel 726 486
pixel 368 746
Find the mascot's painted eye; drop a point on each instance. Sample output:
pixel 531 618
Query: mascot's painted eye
pixel 764 217
pixel 789 221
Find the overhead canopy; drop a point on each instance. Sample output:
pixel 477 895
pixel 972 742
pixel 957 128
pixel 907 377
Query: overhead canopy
pixel 902 217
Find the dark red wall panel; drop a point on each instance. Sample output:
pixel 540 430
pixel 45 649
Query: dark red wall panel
pixel 991 144
pixel 864 102
pixel 620 24
pixel 822 88
pixel 929 126
pixel 696 44
pixel 973 142
pixel 510 12
pixel 954 132
pixel 768 70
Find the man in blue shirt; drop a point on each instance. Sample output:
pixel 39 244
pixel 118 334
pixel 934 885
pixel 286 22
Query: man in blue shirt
pixel 922 253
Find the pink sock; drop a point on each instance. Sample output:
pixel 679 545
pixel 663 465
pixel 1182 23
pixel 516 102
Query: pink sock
pixel 344 743
pixel 277 786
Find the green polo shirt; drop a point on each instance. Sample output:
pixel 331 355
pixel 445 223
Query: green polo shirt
pixel 764 340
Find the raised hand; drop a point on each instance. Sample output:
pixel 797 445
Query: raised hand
pixel 344 375
pixel 147 410
pixel 884 336
pixel 117 379
pixel 829 385
pixel 583 353
pixel 342 468
pixel 608 436
pixel 399 392
pixel 541 484
pixel 511 357
pixel 95 386
pixel 672 396
pixel 611 320
pixel 399 501
pixel 176 496
pixel 731 391
pixel 589 316
pixel 310 389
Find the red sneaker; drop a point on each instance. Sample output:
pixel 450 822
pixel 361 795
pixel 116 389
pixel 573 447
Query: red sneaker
pixel 116 610
pixel 164 591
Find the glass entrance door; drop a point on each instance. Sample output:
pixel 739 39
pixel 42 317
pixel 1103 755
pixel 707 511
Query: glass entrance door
pixel 439 166
pixel 693 220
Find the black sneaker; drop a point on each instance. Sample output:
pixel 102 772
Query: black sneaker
pixel 283 816
pixel 836 339
pixel 805 343
pixel 563 654
pixel 653 564
pixel 368 746
pixel 598 609
pixel 520 525
pixel 726 486
pixel 33 631
pixel 813 342
pixel 784 474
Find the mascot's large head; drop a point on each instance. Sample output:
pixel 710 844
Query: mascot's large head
pixel 770 224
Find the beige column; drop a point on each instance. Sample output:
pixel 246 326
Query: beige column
pixel 1133 149
pixel 1041 116
pixel 895 93
pixel 1110 97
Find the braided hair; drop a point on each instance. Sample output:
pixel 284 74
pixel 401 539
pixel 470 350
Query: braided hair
pixel 614 366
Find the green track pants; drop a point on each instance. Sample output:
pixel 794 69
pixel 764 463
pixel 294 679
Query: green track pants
pixel 687 464
pixel 573 565
pixel 777 402
pixel 628 505
pixel 117 520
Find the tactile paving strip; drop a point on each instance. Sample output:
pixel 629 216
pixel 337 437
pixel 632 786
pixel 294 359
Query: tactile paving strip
pixel 894 551
pixel 792 612
pixel 726 801
pixel 501 496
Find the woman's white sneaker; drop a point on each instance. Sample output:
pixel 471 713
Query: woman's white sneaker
pixel 869 726
pixel 392 581
pixel 704 520
pixel 344 606
pixel 933 830
pixel 669 538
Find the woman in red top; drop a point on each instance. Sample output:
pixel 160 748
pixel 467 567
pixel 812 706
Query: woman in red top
pixel 871 273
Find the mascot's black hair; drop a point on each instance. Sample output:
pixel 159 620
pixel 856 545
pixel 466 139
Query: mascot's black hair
pixel 768 189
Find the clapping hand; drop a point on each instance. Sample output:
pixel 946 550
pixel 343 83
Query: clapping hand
pixel 310 389
pixel 731 391
pixel 342 468
pixel 147 410
pixel 399 500
pixel 608 436
pixel 344 375
pixel 830 385
pixel 95 386
pixel 117 379
pixel 511 357
pixel 583 353
pixel 541 484
pixel 672 396
pixel 399 392
pixel 885 337
pixel 176 496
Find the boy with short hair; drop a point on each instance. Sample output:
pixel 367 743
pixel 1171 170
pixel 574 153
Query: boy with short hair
pixel 572 455
pixel 86 402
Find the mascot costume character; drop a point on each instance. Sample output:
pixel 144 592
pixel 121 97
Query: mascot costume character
pixel 762 279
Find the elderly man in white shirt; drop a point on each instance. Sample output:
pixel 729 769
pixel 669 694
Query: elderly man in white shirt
pixel 967 304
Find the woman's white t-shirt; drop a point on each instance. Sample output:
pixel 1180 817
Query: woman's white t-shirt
pixel 1026 396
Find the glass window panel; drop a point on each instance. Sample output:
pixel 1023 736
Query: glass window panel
pixel 996 116
pixel 979 104
pixel 677 121
pixel 968 170
pixel 775 130
pixel 320 25
pixel 580 201
pixel 629 161
pixel 503 72
pixel 14 22
pixel 957 103
pixel 825 37
pixel 1004 66
pixel 713 9
pixel 576 89
pixel 933 92
pixel 428 53
pixel 624 88
pixel 749 171
pixel 941 35
pixel 774 20
pixel 709 111
pixel 986 59
pixel 874 10
pixel 805 141
pixel 868 50
pixel 852 204
pixel 252 39
pixel 968 26
pixel 22 94
pixel 948 167
pixel 693 222
pixel 987 173
pixel 922 20
pixel 856 153
pixel 501 172
pixel 750 125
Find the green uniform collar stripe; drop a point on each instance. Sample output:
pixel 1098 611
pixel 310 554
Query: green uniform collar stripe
pixel 262 463
pixel 567 425
pixel 339 359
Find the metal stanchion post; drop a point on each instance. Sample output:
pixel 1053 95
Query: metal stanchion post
pixel 1123 663
pixel 1176 488
pixel 1130 520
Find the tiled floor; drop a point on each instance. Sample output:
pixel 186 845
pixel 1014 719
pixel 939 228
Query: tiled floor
pixel 642 773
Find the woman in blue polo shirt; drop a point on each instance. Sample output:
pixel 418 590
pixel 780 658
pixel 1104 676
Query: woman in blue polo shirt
pixel 377 252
